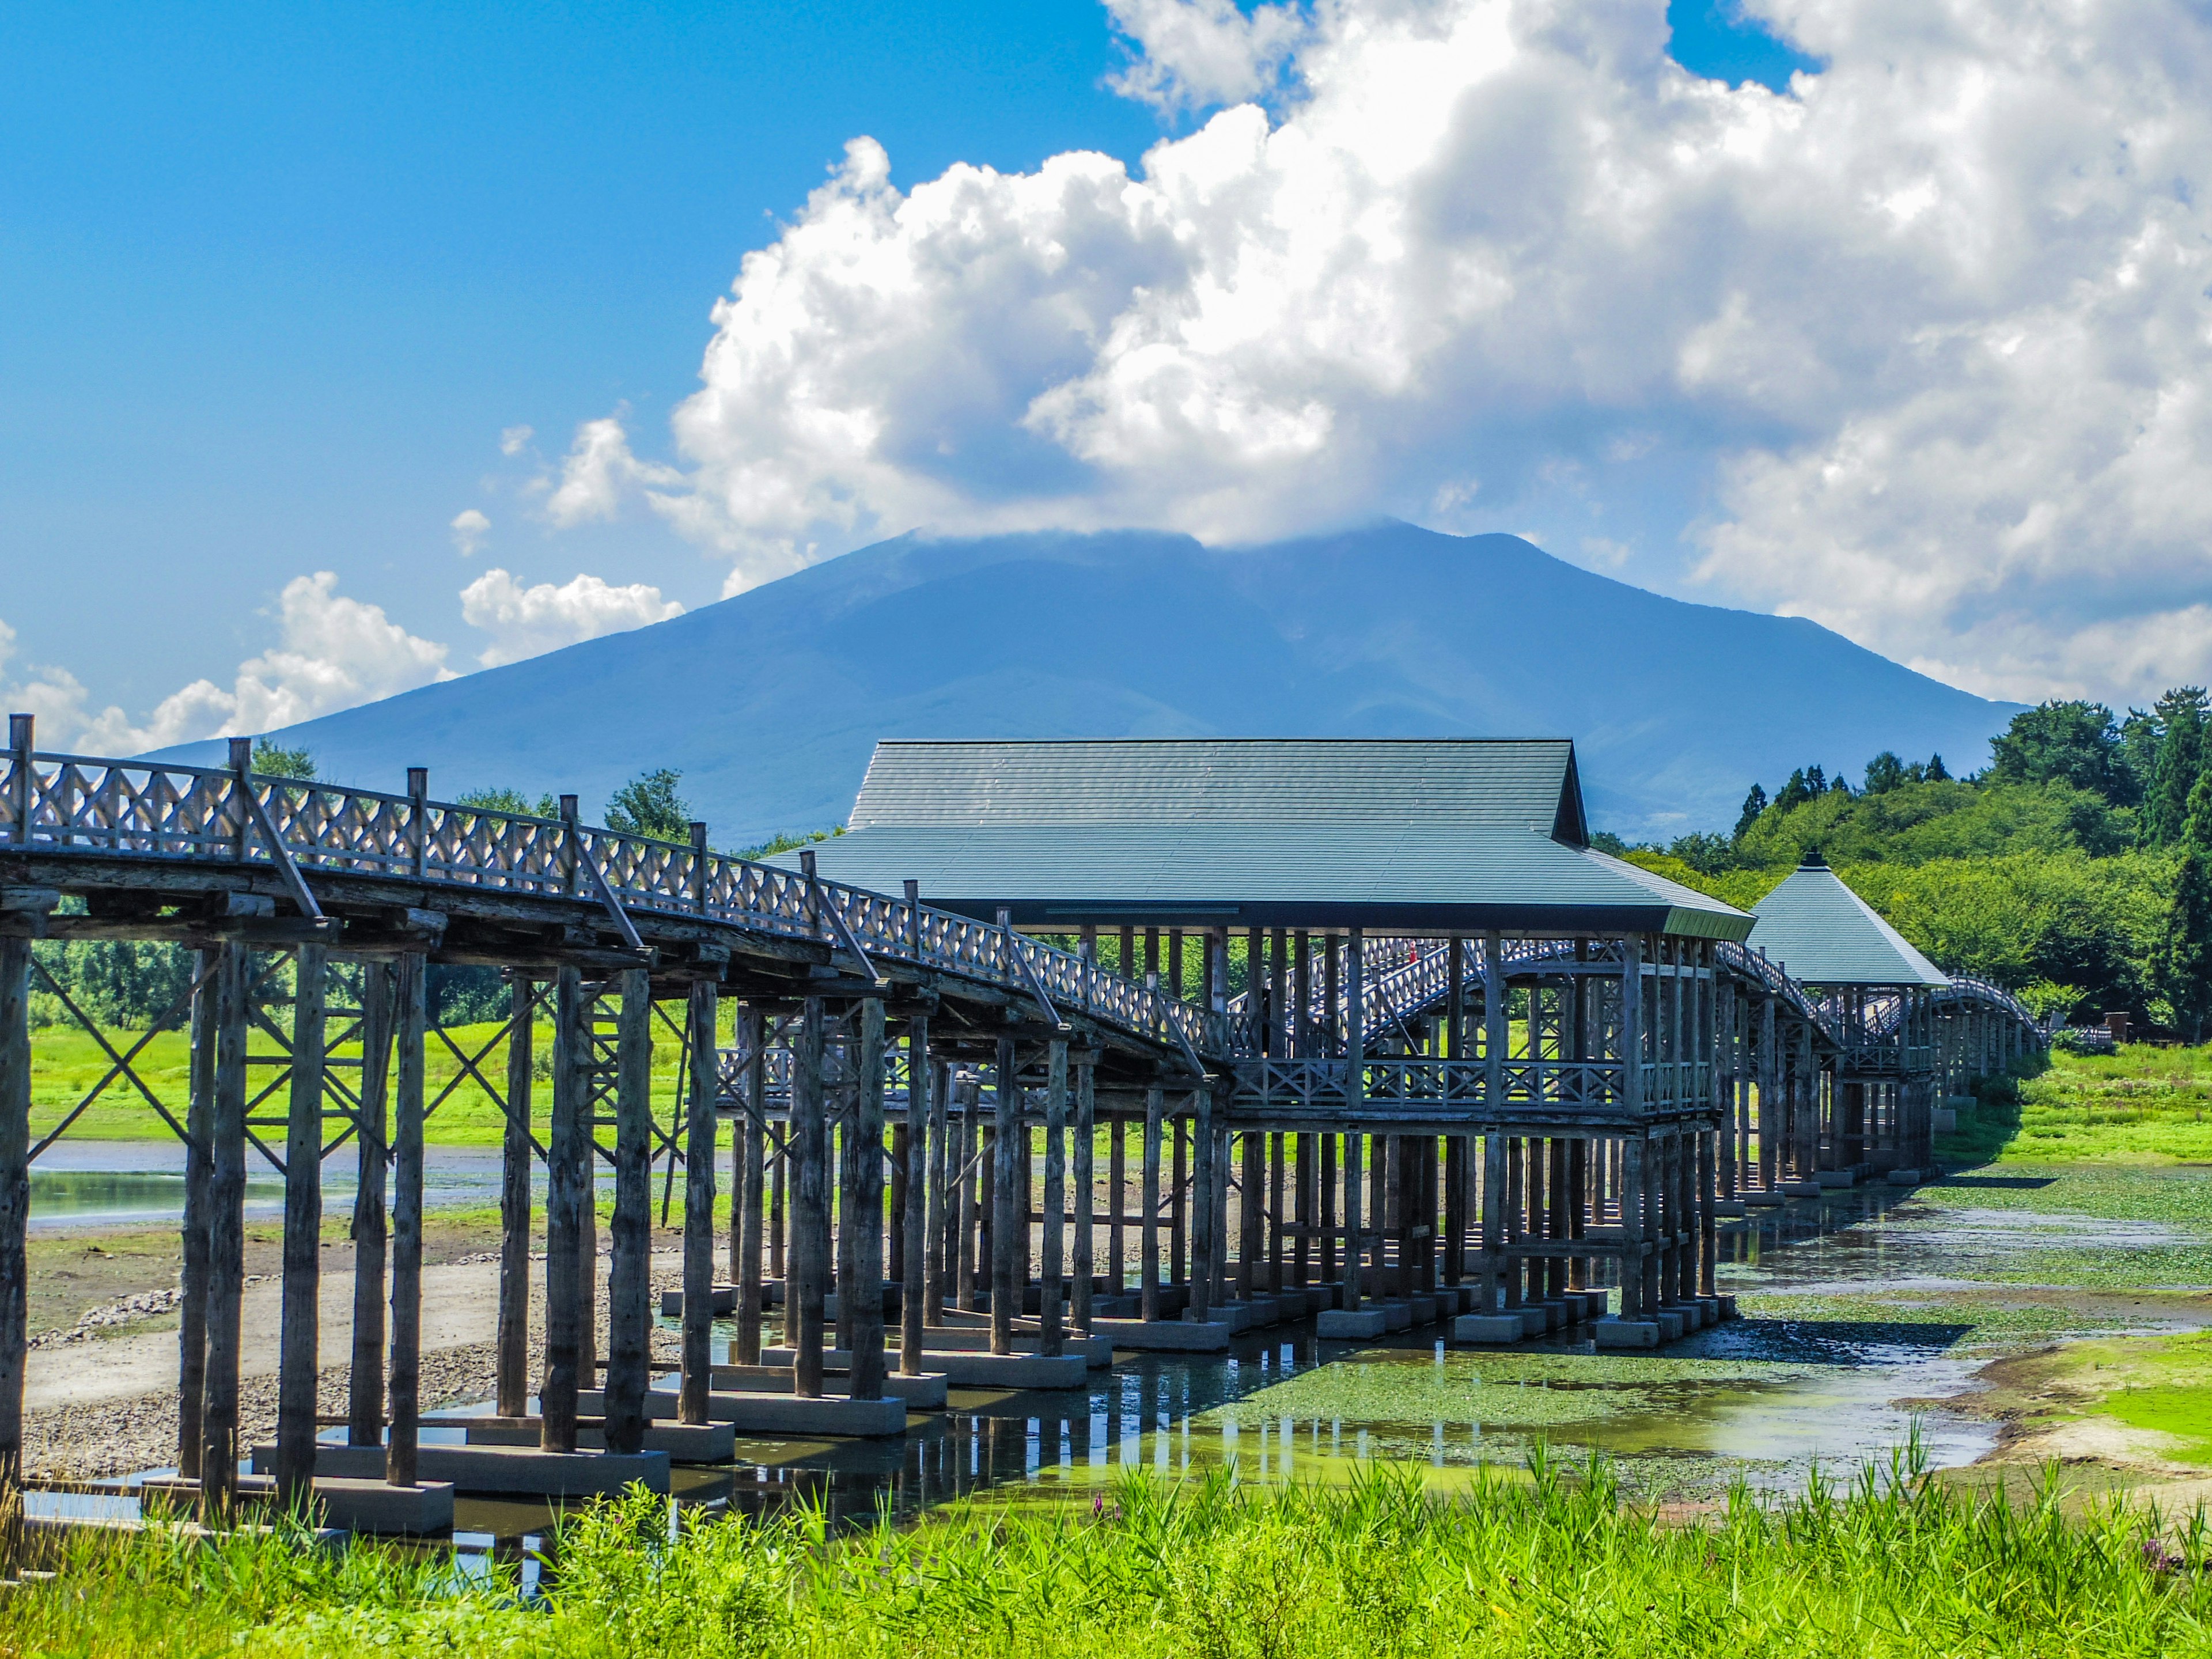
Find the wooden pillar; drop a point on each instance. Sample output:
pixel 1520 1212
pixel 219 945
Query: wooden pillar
pixel 1117 1178
pixel 511 1335
pixel 1276 1161
pixel 1304 1186
pixel 1010 1210
pixel 1455 1260
pixel 192 1302
pixel 1148 1224
pixel 568 1175
pixel 1327 1184
pixel 1086 1186
pixel 1350 1299
pixel 365 1378
pixel 405 1389
pixel 1177 1176
pixel 702 1056
pixel 298 1362
pixel 1251 1219
pixel 226 1233
pixel 1495 1160
pixel 752 1130
pixel 970 1161
pixel 862 1296
pixel 1394 1211
pixel 15 1208
pixel 628 1282
pixel 914 1222
pixel 1204 1239
pixel 810 1206
pixel 1055 1194
pixel 1217 1293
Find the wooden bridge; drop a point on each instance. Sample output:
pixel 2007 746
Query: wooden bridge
pixel 1546 1118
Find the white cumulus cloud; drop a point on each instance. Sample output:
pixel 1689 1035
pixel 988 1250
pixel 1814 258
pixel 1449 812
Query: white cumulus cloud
pixel 469 528
pixel 598 471
pixel 1920 348
pixel 524 621
pixel 332 652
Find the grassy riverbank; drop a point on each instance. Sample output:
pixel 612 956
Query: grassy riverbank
pixel 1549 1565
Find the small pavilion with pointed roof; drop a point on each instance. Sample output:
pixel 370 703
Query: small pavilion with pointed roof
pixel 1876 989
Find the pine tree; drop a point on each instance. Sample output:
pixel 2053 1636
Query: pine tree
pixel 2178 763
pixel 1753 804
pixel 2185 950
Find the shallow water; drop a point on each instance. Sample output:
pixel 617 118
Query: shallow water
pixel 78 1183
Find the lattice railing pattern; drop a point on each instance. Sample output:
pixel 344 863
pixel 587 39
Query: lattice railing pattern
pixel 79 803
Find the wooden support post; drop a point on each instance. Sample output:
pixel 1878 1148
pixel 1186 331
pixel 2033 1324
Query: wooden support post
pixel 1495 1159
pixel 1400 1207
pixel 365 1378
pixel 862 1295
pixel 1055 1195
pixel 568 1176
pixel 298 1362
pixel 1178 1199
pixel 1251 1213
pixel 913 1223
pixel 943 1207
pixel 1304 1186
pixel 1007 1227
pixel 1455 1208
pixel 1205 1241
pixel 1086 1186
pixel 1148 1225
pixel 704 1059
pixel 14 1213
pixel 810 1208
pixel 752 1128
pixel 895 1242
pixel 511 1337
pixel 1327 1262
pixel 191 1300
pixel 1276 1162
pixel 1117 1178
pixel 970 1162
pixel 405 1389
pixel 1350 1299
pixel 629 1279
pixel 226 1234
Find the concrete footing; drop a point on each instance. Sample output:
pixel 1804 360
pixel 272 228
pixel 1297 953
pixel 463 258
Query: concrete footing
pixel 973 1371
pixel 1766 1200
pixel 684 1443
pixel 1903 1177
pixel 1339 1324
pixel 1164 1335
pixel 1826 1179
pixel 1611 1333
pixel 835 1415
pixel 924 1392
pixel 516 1471
pixel 1486 1328
pixel 347 1503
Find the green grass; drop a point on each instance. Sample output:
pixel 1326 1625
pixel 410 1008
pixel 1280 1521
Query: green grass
pixel 2143 1105
pixel 67 1062
pixel 1534 1563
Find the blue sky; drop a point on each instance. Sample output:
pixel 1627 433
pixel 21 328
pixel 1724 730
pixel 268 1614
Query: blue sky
pixel 274 280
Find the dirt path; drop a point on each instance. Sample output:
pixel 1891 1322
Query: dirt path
pixel 109 1406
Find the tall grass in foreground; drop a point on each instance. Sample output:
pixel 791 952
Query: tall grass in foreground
pixel 1552 1565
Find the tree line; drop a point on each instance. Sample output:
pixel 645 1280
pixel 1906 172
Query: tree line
pixel 2075 868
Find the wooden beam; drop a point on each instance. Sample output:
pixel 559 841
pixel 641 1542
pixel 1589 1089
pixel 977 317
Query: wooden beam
pixel 629 1279
pixel 407 1102
pixel 862 1296
pixel 365 1375
pixel 1055 1198
pixel 511 1339
pixel 298 1364
pixel 704 1059
pixel 809 1223
pixel 1008 1204
pixel 913 1221
pixel 226 1236
pixel 1086 1186
pixel 567 1189
pixel 14 1213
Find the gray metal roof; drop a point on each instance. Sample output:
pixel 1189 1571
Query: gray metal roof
pixel 1444 836
pixel 1343 782
pixel 1826 934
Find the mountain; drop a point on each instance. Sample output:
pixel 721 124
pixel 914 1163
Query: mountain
pixel 770 702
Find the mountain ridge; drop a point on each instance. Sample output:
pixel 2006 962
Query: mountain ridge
pixel 770 702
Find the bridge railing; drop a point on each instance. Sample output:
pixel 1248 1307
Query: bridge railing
pixel 62 803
